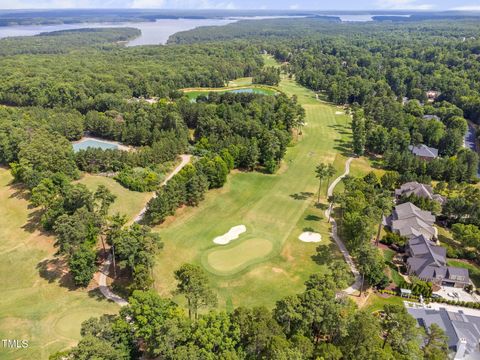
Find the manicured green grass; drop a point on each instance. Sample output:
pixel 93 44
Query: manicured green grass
pixel 377 302
pixel 474 270
pixel 270 61
pixel 36 302
pixel 362 166
pixel 240 82
pixel 394 275
pixel 127 202
pixel 272 207
pixel 232 259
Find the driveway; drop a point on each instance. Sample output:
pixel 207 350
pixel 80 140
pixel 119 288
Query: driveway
pixel 451 293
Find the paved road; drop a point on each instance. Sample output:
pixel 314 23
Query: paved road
pixel 358 278
pixel 105 269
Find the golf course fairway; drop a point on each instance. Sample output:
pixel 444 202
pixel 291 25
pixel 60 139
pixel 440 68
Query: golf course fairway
pixel 268 261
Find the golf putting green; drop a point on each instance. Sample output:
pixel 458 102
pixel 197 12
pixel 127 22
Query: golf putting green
pixel 227 261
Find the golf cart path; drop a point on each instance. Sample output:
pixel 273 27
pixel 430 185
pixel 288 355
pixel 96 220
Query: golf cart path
pixel 358 279
pixel 105 269
pixel 102 282
pixel 185 160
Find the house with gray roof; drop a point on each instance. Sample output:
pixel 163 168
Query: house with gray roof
pixel 420 190
pixel 410 221
pixel 428 262
pixel 423 151
pixel 463 330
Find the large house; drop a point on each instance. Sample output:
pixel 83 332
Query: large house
pixel 428 262
pixel 420 190
pixel 423 151
pixel 410 221
pixel 461 326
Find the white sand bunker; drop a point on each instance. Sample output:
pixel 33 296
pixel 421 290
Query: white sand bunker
pixel 309 236
pixel 232 234
pixel 339 113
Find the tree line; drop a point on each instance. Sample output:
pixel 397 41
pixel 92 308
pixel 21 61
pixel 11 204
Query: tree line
pixel 315 324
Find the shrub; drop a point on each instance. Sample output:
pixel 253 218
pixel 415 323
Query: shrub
pixel 138 179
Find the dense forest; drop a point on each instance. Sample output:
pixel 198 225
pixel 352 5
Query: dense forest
pixel 385 72
pixel 315 324
pixel 104 79
pixel 64 41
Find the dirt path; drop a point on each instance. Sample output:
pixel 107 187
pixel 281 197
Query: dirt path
pixel 358 279
pixel 105 269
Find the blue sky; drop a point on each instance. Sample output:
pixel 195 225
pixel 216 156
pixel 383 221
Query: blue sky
pixel 467 5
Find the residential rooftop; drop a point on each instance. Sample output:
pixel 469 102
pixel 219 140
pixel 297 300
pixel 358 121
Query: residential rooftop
pixel 462 329
pixel 424 151
pixel 410 221
pixel 420 190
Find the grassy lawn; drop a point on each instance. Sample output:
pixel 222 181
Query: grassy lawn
pixel 275 209
pixel 269 61
pixel 376 302
pixel 388 254
pixel 36 302
pixel 127 202
pixel 473 270
pixel 240 82
pixel 362 166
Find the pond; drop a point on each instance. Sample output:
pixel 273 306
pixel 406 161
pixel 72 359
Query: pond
pixel 94 143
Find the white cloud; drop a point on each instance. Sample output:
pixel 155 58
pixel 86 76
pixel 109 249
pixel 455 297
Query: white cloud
pixel 403 5
pixel 293 7
pixel 467 8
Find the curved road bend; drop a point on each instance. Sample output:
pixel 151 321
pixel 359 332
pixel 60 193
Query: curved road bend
pixel 358 278
pixel 105 269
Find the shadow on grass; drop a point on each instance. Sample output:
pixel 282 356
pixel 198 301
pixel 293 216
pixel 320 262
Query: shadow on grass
pixel 56 270
pixel 301 195
pixel 341 129
pixel 20 192
pixel 97 295
pixel 325 253
pixel 375 162
pixel 33 222
pixel 311 217
pixel 343 147
pixel 321 206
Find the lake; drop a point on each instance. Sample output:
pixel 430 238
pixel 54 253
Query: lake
pixel 153 33
pixel 156 32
